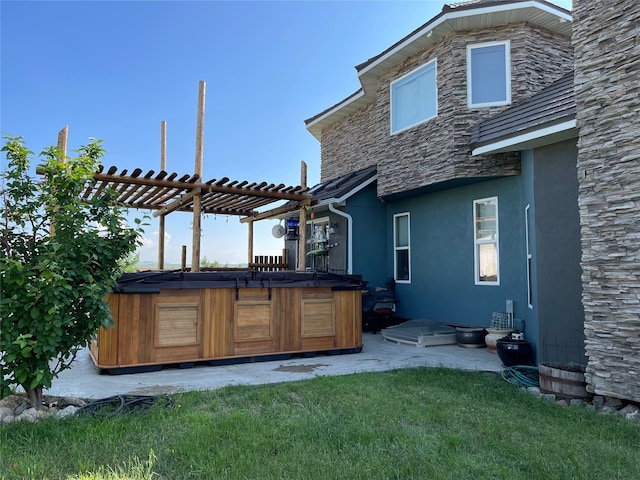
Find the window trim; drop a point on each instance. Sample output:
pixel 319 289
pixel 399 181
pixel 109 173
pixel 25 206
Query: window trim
pixel 433 61
pixel 476 243
pixel 507 55
pixel 397 248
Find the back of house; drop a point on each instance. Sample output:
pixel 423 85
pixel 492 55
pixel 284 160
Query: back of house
pixel 413 189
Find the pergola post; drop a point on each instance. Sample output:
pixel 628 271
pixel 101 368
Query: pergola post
pixel 63 136
pixel 302 222
pixel 197 199
pixel 163 167
pixel 250 245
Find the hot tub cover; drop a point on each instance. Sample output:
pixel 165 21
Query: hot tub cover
pixel 153 281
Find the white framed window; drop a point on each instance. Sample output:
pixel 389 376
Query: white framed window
pixel 402 247
pixel 485 236
pixel 527 226
pixel 489 74
pixel 414 97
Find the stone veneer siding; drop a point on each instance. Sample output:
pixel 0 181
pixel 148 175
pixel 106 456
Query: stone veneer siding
pixel 607 50
pixel 438 150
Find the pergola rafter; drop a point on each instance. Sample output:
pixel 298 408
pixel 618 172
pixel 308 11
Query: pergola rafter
pixel 164 193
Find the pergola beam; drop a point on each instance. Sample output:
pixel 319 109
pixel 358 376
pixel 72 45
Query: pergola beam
pixel 205 187
pixel 274 212
pixel 182 201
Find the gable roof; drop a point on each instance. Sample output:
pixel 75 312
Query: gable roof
pixel 475 14
pixel 547 117
pixel 341 188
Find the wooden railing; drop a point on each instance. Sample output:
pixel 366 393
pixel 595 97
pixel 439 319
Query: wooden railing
pixel 269 263
pixel 261 263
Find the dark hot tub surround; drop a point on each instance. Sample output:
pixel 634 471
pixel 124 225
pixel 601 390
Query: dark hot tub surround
pixel 173 317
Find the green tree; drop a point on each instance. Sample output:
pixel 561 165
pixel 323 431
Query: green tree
pixel 209 264
pixel 59 258
pixel 129 263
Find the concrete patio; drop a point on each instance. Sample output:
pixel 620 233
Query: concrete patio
pixel 83 380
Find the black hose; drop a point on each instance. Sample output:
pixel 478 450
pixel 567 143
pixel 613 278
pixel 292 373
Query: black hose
pixel 124 404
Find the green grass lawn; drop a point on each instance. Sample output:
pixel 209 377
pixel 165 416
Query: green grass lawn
pixel 406 424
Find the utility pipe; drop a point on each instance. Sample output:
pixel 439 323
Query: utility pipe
pixel 349 236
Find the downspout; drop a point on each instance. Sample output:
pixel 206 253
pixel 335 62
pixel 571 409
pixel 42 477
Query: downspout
pixel 349 235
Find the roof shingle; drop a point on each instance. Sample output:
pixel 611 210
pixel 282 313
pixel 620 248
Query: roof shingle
pixel 553 105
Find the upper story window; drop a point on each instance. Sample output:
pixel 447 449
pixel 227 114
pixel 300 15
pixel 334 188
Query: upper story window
pixel 414 97
pixel 485 228
pixel 488 74
pixel 401 241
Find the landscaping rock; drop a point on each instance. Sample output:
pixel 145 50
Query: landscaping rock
pixel 70 410
pixel 598 401
pixel 5 412
pixel 71 401
pixel 630 412
pixel 28 415
pixel 16 408
pixel 8 419
pixel 607 410
pixel 12 401
pixel 22 408
pixel 597 404
pixel 614 403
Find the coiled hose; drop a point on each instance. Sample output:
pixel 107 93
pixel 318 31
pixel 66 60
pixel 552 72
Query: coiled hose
pixel 522 375
pixel 124 404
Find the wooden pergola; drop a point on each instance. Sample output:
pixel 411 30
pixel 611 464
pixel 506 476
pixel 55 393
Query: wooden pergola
pixel 165 192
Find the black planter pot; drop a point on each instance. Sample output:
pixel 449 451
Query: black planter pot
pixel 514 352
pixel 471 337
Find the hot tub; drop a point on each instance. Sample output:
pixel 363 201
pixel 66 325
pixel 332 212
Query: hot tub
pixel 164 318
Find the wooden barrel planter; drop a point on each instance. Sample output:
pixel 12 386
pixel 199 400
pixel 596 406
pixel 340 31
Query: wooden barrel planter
pixel 563 379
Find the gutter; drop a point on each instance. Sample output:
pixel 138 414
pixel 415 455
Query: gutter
pixel 340 201
pixel 349 235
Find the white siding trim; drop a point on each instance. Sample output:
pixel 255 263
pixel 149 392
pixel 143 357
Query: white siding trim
pixel 525 137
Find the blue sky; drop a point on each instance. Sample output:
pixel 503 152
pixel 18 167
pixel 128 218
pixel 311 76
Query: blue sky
pixel 116 69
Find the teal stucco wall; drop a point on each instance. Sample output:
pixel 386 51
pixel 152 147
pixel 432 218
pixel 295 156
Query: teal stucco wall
pixel 442 284
pixel 370 247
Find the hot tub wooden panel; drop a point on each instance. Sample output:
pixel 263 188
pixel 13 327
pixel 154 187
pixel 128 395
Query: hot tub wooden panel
pixel 193 325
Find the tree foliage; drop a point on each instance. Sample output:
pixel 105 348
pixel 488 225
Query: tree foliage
pixel 59 259
pixel 211 264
